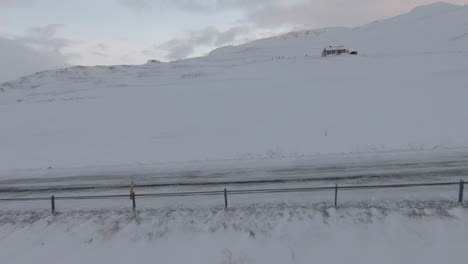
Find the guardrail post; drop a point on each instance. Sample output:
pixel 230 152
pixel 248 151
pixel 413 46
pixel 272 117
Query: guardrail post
pixel 336 195
pixel 52 201
pixel 460 192
pixel 133 201
pixel 225 199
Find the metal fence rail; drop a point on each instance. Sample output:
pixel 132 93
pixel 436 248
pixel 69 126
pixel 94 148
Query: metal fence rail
pixel 133 196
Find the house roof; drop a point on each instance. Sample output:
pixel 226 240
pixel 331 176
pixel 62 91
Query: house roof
pixel 335 48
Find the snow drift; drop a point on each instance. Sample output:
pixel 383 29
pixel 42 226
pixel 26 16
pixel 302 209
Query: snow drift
pixel 356 233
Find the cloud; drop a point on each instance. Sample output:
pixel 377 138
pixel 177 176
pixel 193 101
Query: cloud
pixel 45 38
pixel 230 35
pixel 183 46
pixel 19 59
pixel 309 14
pixel 37 49
pixel 7 2
pixel 198 5
pixel 99 54
pixel 13 2
pixel 139 5
pixel 303 14
pixel 99 50
pixel 279 15
pixel 306 14
pixel 101 46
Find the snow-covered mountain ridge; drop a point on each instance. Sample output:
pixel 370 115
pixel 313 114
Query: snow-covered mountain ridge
pixel 436 27
pixel 407 89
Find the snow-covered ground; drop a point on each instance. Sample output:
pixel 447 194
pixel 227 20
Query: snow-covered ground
pixel 272 109
pixel 273 97
pixel 355 233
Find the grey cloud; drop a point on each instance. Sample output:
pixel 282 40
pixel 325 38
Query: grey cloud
pixel 148 53
pixel 182 47
pixel 45 37
pixel 45 32
pixel 231 34
pixel 102 46
pixel 308 14
pixel 179 51
pixel 14 2
pixel 136 4
pixel 198 5
pixel 215 5
pixel 18 59
pixel 7 2
pixel 99 50
pixel 99 54
pixel 37 50
pixel 321 7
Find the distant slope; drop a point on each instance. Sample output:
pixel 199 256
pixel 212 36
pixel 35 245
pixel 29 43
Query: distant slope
pixel 273 97
pixel 436 27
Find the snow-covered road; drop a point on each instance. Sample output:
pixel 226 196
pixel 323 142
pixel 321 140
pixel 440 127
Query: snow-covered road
pixel 352 169
pixel 368 168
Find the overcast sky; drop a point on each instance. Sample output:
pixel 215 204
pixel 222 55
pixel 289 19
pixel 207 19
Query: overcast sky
pixel 44 34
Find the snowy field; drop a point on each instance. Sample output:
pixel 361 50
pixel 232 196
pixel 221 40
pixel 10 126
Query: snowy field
pixel 355 233
pixel 270 98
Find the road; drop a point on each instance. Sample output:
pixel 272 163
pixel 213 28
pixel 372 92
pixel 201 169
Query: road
pixel 367 168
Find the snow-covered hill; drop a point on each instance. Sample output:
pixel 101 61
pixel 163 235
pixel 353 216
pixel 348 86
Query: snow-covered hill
pixel 273 97
pixel 434 28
